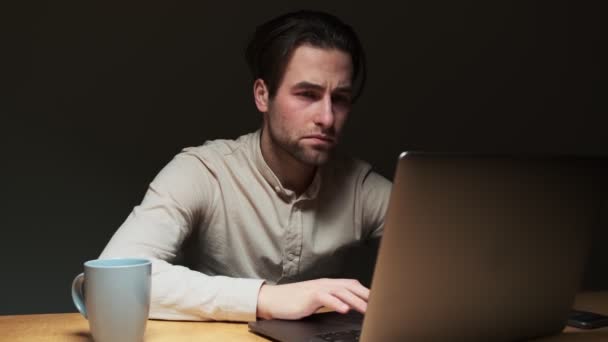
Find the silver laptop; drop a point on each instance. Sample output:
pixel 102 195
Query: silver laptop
pixel 484 248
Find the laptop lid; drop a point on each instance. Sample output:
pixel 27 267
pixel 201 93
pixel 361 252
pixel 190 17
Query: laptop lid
pixel 479 248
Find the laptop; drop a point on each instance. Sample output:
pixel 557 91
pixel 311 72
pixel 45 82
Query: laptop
pixel 484 248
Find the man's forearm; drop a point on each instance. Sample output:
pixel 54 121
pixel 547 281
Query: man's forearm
pixel 179 293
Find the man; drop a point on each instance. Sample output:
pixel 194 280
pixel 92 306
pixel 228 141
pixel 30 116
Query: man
pixel 261 220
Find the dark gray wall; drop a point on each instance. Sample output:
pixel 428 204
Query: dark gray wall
pixel 97 97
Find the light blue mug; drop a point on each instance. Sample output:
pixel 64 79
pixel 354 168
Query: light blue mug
pixel 114 295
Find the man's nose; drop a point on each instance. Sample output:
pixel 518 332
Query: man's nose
pixel 325 115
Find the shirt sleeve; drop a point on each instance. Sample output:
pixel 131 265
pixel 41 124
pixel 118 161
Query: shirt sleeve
pixel 174 204
pixel 375 194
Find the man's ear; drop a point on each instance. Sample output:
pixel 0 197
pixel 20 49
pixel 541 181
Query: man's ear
pixel 260 95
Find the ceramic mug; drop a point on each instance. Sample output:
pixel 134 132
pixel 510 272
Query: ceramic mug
pixel 114 295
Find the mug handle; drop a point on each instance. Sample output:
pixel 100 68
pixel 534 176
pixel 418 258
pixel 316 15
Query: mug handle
pixel 77 294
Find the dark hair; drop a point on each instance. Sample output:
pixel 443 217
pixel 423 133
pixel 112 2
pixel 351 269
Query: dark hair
pixel 273 43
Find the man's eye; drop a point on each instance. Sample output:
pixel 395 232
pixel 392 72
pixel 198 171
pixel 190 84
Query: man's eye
pixel 308 95
pixel 341 99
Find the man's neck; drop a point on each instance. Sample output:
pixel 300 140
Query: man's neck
pixel 293 174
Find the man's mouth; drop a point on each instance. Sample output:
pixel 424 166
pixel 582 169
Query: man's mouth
pixel 321 138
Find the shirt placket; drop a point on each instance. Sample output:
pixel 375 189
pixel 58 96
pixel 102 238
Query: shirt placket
pixel 293 242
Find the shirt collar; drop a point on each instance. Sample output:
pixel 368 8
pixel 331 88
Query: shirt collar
pixel 311 192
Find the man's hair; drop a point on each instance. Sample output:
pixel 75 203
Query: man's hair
pixel 274 42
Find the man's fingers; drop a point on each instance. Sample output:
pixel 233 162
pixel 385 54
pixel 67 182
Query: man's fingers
pixel 351 300
pixel 355 287
pixel 333 303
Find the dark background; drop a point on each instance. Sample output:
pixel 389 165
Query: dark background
pixel 96 97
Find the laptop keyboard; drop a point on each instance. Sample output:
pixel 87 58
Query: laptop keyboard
pixel 339 336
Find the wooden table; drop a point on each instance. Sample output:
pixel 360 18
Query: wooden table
pixel 68 327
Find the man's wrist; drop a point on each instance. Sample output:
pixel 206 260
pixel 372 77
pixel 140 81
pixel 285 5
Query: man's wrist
pixel 261 311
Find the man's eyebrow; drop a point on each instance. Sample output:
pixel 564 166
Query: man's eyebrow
pixel 309 85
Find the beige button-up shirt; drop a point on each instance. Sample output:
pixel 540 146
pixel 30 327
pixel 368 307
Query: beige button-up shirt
pixel 221 209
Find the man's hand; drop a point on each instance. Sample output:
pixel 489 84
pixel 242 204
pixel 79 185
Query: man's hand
pixel 297 300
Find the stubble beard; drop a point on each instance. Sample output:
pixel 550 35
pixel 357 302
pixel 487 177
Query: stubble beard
pixel 304 154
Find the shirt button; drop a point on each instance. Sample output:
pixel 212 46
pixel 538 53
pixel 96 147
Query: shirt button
pixel 277 188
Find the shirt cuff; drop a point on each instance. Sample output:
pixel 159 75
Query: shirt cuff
pixel 240 299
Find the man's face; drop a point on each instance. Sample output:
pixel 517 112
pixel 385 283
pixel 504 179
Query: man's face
pixel 311 105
